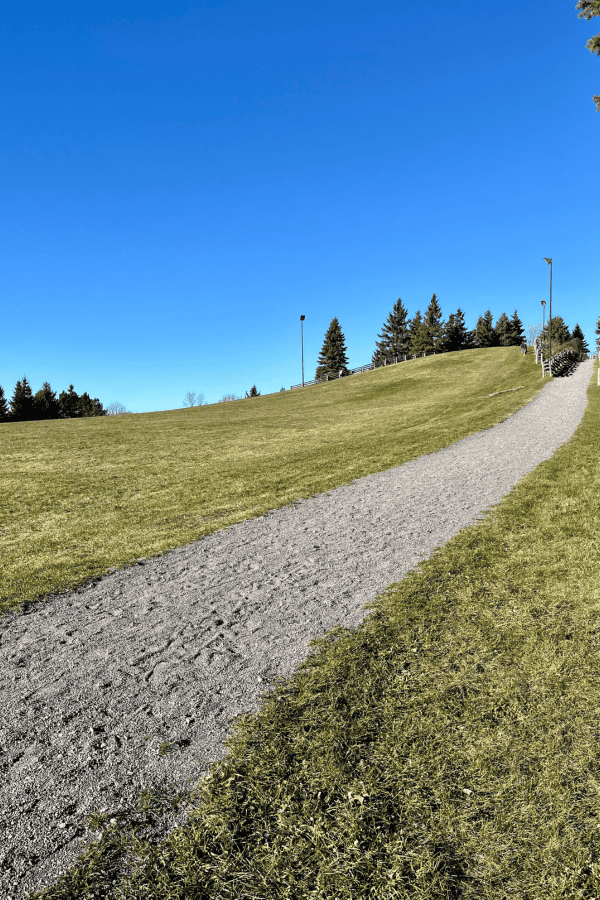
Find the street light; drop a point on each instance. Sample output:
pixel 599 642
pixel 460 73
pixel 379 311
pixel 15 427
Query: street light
pixel 544 318
pixel 549 261
pixel 302 318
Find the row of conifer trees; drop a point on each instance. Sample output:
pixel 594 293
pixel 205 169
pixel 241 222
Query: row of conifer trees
pixel 26 406
pixel 426 334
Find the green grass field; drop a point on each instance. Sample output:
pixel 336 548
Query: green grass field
pixel 81 496
pixel 448 746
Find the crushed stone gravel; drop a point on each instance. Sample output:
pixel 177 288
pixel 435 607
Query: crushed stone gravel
pixel 92 681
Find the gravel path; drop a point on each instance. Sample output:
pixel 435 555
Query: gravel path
pixel 177 646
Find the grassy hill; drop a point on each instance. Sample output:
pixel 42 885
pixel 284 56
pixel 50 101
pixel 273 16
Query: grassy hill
pixel 82 496
pixel 448 747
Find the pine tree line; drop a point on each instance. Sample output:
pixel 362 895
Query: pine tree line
pixel 25 406
pixel 402 336
pixel 429 333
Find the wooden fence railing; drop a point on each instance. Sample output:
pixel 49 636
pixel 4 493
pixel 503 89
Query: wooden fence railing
pixel 568 351
pixel 392 361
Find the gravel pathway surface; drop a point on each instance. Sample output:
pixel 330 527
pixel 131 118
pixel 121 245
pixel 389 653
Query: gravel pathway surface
pixel 178 645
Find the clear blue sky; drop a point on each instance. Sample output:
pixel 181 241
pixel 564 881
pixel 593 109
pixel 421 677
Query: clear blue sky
pixel 180 181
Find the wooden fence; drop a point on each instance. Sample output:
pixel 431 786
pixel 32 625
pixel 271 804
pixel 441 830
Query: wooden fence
pixel 567 352
pixel 392 361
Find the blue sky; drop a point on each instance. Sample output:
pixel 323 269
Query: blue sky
pixel 180 181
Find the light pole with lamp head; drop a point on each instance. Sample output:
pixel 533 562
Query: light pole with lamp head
pixel 549 261
pixel 302 318
pixel 543 317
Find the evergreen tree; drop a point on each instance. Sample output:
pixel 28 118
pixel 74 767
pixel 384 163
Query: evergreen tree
pixel 22 405
pixel 471 339
pixel 333 357
pixel 84 407
pixel 466 340
pixel 578 336
pixel 418 335
pixel 45 402
pixel 450 340
pixel 597 331
pixel 69 404
pixel 434 328
pixel 254 392
pixel 485 336
pixel 517 335
pixel 558 331
pixel 457 336
pixel 395 336
pixel 503 330
pixel 3 406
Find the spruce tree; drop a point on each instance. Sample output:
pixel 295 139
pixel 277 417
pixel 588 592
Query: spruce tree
pixel 558 330
pixel 46 404
pixel 416 335
pixel 456 336
pixel 517 335
pixel 3 406
pixel 503 330
pixel 578 336
pixel 22 405
pixel 485 334
pixel 332 358
pixel 84 407
pixel 597 332
pixel 466 340
pixel 450 341
pixel 434 328
pixel 394 338
pixel 254 392
pixel 69 404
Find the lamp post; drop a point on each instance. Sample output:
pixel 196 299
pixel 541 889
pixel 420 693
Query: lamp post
pixel 543 318
pixel 549 261
pixel 302 318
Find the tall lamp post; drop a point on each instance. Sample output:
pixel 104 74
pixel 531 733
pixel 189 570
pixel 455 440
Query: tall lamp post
pixel 549 261
pixel 543 318
pixel 302 318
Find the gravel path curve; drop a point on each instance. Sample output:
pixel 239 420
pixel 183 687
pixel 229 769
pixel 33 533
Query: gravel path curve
pixel 177 646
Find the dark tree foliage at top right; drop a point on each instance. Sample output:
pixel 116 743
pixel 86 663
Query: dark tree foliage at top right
pixel 590 9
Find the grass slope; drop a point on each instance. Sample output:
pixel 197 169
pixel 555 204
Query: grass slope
pixel 81 496
pixel 446 748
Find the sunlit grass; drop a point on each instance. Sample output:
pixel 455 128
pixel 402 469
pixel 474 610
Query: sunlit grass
pixel 446 748
pixel 81 496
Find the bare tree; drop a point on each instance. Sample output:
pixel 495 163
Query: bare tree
pixel 227 397
pixel 534 331
pixel 117 409
pixel 194 399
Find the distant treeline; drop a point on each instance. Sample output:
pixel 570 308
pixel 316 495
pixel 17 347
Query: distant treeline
pixel 402 336
pixel 28 407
